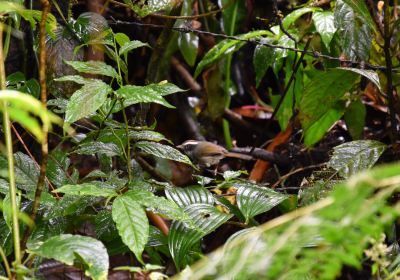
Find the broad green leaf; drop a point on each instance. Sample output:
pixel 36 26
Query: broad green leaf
pixel 131 45
pixel 253 199
pixel 121 39
pixel 34 17
pixel 320 127
pixel 97 147
pixel 353 157
pixel 360 7
pixel 85 189
pixel 233 209
pixel 93 67
pixel 6 238
pixel 322 93
pixel 105 226
pixel 263 59
pixel 355 34
pixel 188 44
pixel 22 105
pixel 158 204
pixel 283 41
pixel 68 248
pixel 86 100
pixel 293 16
pixel 181 238
pixel 4 186
pixel 149 135
pixel 369 74
pixel 132 223
pixel 6 209
pixel 57 168
pixel 225 47
pixel 10 6
pixel 26 172
pixel 44 230
pixel 76 79
pixel 190 195
pixel 233 15
pixel 162 151
pixel 290 247
pixel 325 25
pixel 27 121
pixel 355 118
pixel 146 94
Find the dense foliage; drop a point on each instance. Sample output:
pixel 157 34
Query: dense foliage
pixel 90 171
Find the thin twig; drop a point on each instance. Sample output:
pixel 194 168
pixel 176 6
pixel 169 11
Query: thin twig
pixel 31 156
pixel 45 128
pixel 279 19
pixel 292 77
pixel 315 54
pixel 287 175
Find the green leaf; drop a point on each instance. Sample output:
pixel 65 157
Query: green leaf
pixel 105 226
pixel 188 44
pixel 10 6
pixel 362 10
pixel 57 168
pixel 121 39
pixel 253 199
pixel 262 59
pixel 131 45
pixel 22 106
pixel 26 172
pixel 190 195
pixel 97 147
pixel 317 130
pixel 226 47
pixel 233 15
pixel 355 118
pixel 146 94
pixel 182 238
pixel 85 189
pixel 315 242
pixel 158 204
pixel 325 25
pixel 93 67
pixel 6 238
pixel 35 16
pixel 293 16
pixel 76 79
pixel 369 74
pixel 68 248
pixel 322 93
pixel 149 135
pixel 353 157
pixel 87 100
pixel 162 151
pixel 355 34
pixel 132 223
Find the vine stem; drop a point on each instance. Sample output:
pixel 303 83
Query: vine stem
pixel 10 158
pixel 45 129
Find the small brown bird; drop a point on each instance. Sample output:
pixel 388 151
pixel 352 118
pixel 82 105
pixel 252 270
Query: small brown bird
pixel 208 154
